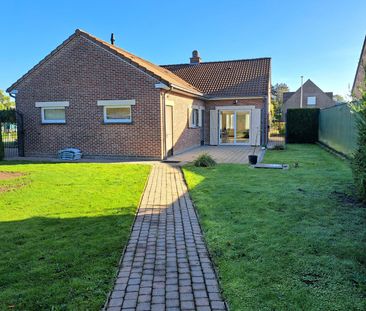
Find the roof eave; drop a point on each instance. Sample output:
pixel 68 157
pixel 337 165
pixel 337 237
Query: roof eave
pixel 234 97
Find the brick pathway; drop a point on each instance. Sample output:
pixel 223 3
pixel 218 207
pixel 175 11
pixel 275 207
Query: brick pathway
pixel 166 264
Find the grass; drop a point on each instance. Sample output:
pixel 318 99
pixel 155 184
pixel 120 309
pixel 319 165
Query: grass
pixel 62 231
pixel 284 239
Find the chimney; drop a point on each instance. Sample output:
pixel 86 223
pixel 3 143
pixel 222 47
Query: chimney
pixel 112 38
pixel 195 59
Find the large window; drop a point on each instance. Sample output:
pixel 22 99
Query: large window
pixel 311 100
pixel 53 112
pixel 117 111
pixel 117 114
pixel 53 115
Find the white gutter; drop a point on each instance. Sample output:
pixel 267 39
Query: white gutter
pixel 162 86
pixel 185 90
pixel 13 93
pixel 178 89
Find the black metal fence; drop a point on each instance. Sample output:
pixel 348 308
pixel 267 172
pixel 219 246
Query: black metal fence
pixel 12 136
pixel 277 134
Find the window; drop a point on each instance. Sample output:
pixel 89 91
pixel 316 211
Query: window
pixel 117 111
pixel 312 100
pixel 195 117
pixel 117 114
pixel 53 112
pixel 53 115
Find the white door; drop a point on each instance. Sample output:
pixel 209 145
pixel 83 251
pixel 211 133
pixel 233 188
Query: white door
pixel 169 130
pixel 235 127
pixel 256 127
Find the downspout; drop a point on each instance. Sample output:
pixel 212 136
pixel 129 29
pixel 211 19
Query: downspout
pixel 164 125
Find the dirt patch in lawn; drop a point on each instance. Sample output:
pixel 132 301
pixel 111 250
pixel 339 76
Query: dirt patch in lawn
pixel 4 176
pixel 9 175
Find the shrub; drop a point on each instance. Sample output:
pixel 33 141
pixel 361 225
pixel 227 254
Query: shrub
pixel 302 125
pixel 359 158
pixel 205 160
pixel 8 115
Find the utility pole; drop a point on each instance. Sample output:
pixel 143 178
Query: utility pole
pixel 301 92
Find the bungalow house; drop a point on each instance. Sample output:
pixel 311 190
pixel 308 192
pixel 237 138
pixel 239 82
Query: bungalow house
pixel 312 97
pixel 360 72
pixel 92 95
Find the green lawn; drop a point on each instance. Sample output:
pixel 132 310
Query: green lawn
pixel 62 231
pixel 284 239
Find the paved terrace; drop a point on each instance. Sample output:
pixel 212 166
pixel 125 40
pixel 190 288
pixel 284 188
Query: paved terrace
pixel 221 154
pixel 166 265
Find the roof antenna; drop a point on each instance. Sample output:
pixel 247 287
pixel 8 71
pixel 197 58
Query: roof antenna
pixel 112 38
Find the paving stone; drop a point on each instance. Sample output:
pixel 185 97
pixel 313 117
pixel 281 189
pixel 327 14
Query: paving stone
pixel 115 302
pixel 172 302
pixel 158 307
pixel 117 294
pixel 129 304
pixel 186 296
pixel 172 295
pixel 187 304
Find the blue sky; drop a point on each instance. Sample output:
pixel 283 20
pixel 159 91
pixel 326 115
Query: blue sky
pixel 320 40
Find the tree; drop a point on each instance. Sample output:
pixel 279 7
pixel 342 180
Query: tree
pixel 277 100
pixel 278 89
pixel 5 101
pixel 339 98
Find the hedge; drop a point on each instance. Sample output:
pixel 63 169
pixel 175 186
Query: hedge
pixel 8 115
pixel 302 125
pixel 359 157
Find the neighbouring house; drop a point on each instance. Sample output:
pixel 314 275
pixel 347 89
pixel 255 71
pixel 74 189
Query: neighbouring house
pixel 360 72
pixel 313 97
pixel 92 95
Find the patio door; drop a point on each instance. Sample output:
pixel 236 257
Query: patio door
pixel 234 127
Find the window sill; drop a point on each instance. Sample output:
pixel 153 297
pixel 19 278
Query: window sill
pixel 53 123
pixel 114 123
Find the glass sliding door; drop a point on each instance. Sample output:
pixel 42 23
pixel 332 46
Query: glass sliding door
pixel 227 131
pixel 234 127
pixel 242 127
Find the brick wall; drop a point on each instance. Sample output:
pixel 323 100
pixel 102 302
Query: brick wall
pixel 183 136
pixel 83 73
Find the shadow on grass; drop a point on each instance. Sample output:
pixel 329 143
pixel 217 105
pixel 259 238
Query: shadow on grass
pixel 59 264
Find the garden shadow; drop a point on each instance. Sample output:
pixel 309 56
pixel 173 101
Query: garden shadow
pixel 61 263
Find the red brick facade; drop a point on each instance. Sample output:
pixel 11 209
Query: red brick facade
pixel 83 73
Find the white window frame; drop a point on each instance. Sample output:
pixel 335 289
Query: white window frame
pixel 195 112
pixel 116 103
pixel 313 100
pixel 106 120
pixel 44 121
pixel 52 105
